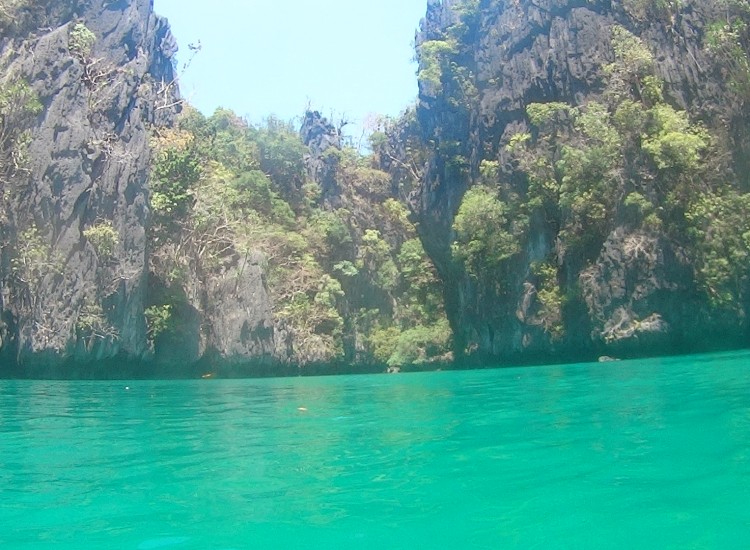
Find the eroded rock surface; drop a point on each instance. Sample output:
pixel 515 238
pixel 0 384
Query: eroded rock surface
pixel 640 294
pixel 89 158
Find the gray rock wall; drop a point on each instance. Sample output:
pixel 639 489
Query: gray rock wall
pixel 89 159
pixel 639 295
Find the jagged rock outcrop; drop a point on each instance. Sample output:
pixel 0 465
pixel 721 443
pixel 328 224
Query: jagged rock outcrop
pixel 103 73
pixel 320 136
pixel 254 259
pixel 481 65
pixel 224 319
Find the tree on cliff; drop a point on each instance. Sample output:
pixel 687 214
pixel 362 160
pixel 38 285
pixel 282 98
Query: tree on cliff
pixel 18 107
pixel 344 282
pixel 619 160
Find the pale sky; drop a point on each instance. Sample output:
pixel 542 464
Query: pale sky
pixel 262 57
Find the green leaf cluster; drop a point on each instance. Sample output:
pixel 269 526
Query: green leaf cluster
pixel 103 237
pixel 34 260
pixel 484 234
pixel 673 142
pixel 158 320
pixel 81 41
pixel 376 260
pixel 541 114
pixel 642 10
pixel 550 297
pixel 418 330
pixel 92 324
pixel 434 58
pixel 175 170
pixel 729 40
pixel 719 228
pixel 418 345
pixel 19 104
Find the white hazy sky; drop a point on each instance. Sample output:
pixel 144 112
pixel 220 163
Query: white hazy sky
pixel 262 57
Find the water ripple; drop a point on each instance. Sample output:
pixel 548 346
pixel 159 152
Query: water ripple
pixel 637 454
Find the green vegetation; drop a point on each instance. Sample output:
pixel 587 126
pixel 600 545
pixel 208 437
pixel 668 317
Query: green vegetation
pixel 340 277
pixel 81 41
pixel 631 155
pixel 550 298
pixel 415 346
pixel 375 259
pixel 728 40
pixel 719 227
pixel 541 114
pixel 92 325
pixel 19 104
pixel 103 237
pixel 158 321
pixel 484 235
pixel 34 260
pixel 175 170
pixel 433 61
pixel 675 143
pixel 443 71
pixel 643 10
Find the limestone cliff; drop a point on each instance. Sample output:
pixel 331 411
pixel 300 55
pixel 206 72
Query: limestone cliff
pixel 103 73
pixel 577 171
pixel 633 288
pixel 141 237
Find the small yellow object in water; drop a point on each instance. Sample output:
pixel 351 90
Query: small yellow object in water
pixel 302 409
pixel 208 375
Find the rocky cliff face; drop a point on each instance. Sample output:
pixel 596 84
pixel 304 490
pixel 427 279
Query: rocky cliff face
pixel 636 289
pixel 218 317
pixel 74 248
pixel 320 136
pixel 578 171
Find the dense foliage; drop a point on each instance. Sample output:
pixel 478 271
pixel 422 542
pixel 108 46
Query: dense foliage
pixel 350 282
pixel 629 156
pixel 594 201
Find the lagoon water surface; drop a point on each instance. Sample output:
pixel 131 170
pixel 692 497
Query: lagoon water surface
pixel 635 454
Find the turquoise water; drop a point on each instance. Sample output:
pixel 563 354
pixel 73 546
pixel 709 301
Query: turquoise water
pixel 621 455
